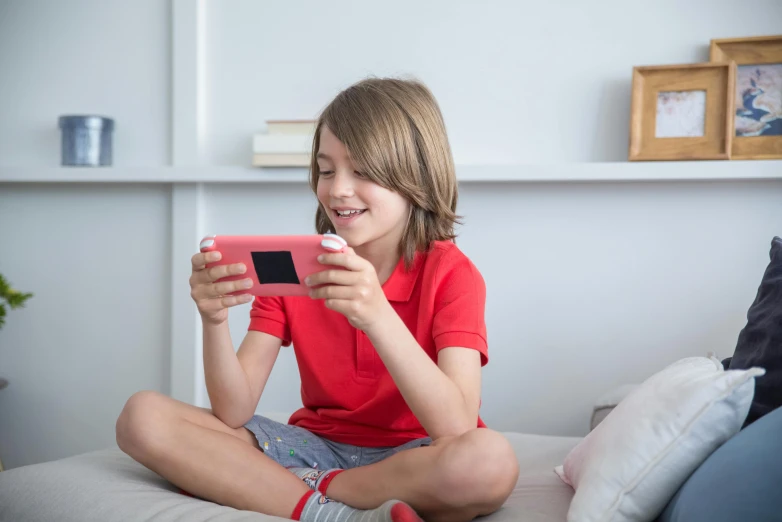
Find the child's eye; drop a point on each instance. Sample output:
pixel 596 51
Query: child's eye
pixel 359 174
pixel 326 172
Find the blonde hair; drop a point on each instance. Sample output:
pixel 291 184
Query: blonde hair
pixel 395 135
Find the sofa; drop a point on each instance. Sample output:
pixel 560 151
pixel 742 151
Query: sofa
pixel 108 486
pixel 733 484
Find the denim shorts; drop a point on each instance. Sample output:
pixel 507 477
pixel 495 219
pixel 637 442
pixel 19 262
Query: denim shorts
pixel 292 446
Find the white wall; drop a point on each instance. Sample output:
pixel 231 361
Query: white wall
pixel 592 286
pixel 603 283
pixel 84 56
pixel 97 328
pixel 518 81
pixel 97 257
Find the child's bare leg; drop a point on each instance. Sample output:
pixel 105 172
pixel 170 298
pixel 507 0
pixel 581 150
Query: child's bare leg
pixel 194 450
pixel 455 479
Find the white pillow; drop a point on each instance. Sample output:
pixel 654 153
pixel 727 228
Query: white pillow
pixel 630 466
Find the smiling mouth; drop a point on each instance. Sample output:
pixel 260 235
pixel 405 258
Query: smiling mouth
pixel 346 217
pixel 349 213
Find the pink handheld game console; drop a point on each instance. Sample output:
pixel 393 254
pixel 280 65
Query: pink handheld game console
pixel 277 265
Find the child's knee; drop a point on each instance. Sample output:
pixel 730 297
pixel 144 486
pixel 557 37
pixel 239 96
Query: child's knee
pixel 137 423
pixel 479 468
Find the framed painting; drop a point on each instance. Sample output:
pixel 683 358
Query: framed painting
pixel 682 112
pixel 758 94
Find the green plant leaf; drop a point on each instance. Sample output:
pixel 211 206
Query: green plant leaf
pixel 17 299
pixel 12 297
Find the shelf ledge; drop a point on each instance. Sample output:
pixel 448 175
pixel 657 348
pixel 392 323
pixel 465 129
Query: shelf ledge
pixel 518 173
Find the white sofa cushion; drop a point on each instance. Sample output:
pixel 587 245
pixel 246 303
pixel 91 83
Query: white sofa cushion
pixel 632 463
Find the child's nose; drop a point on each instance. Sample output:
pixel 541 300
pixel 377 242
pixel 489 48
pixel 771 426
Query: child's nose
pixel 342 185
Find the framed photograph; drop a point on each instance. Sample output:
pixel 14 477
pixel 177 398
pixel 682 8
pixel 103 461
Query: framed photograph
pixel 682 112
pixel 758 95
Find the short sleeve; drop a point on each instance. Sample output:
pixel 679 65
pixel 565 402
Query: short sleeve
pixel 459 308
pixel 268 315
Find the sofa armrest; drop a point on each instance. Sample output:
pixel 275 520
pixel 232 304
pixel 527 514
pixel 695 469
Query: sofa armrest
pixel 607 402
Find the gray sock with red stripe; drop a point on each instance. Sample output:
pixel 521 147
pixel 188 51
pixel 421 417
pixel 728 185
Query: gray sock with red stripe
pixel 314 507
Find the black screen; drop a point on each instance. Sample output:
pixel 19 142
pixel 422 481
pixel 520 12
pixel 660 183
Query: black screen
pixel 275 267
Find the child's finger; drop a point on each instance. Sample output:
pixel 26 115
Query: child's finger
pixel 349 261
pixel 215 273
pixel 211 305
pixel 233 300
pixel 199 260
pixel 338 305
pixel 227 287
pixel 334 277
pixel 333 292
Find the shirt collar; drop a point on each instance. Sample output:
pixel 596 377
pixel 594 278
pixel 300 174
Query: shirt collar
pixel 399 286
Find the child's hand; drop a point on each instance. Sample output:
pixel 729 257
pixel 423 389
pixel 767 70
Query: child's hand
pixel 355 293
pixel 210 297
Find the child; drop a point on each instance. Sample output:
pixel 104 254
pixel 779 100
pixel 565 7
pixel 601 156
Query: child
pixel 389 351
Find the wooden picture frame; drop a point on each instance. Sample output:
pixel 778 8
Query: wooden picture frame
pixel 682 112
pixel 757 130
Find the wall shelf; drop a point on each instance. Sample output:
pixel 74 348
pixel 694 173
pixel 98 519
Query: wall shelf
pixel 551 172
pixel 167 174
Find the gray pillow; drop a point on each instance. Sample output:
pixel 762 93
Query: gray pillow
pixel 738 482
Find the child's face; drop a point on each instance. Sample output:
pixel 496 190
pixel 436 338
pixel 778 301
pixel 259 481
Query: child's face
pixel 381 213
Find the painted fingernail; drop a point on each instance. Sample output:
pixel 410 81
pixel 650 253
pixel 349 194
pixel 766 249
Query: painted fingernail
pixel 247 283
pixel 307 281
pixel 320 258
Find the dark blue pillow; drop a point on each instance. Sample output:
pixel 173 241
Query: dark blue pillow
pixel 739 482
pixel 760 341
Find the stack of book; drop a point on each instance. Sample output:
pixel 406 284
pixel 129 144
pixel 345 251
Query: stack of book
pixel 286 143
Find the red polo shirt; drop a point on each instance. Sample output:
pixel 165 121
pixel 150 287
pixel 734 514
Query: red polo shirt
pixel 347 393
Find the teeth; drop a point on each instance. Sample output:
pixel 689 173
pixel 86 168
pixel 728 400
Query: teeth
pixel 348 212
